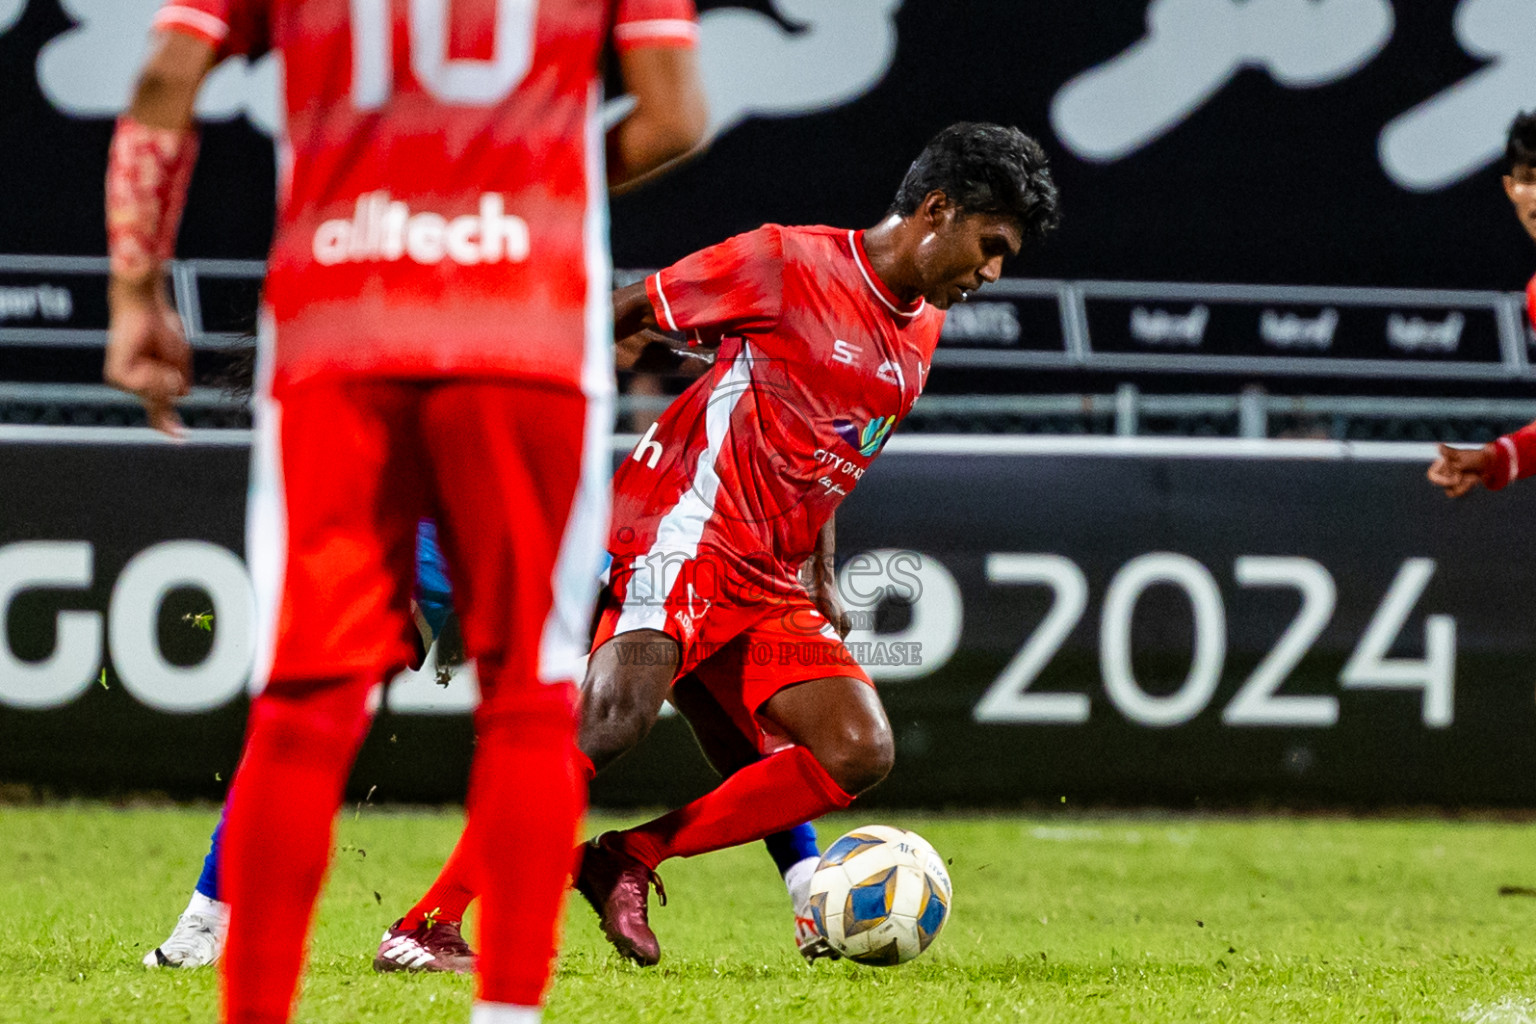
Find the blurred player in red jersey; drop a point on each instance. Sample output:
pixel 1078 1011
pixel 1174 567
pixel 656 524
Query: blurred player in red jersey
pixel 435 341
pixel 824 337
pixel 1513 456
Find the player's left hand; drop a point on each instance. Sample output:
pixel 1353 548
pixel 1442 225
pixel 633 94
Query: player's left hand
pixel 1458 470
pixel 148 355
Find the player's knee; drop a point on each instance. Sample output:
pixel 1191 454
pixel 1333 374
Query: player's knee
pixel 860 758
pixel 615 708
pixel 617 712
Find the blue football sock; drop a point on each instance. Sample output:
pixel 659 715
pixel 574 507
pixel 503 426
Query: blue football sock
pixel 208 883
pixel 791 846
pixel 434 594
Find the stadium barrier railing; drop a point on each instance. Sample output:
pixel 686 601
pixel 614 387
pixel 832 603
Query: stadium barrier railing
pixel 1128 412
pixel 56 303
pixel 1115 326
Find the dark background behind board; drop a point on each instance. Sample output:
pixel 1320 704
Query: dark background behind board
pixel 1264 184
pixel 1360 520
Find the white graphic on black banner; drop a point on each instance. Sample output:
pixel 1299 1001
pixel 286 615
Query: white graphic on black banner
pixel 1193 48
pixel 751 65
pixel 1461 130
pixel 89 70
pixel 10 13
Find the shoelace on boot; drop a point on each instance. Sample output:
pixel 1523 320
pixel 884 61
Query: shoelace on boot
pixel 634 885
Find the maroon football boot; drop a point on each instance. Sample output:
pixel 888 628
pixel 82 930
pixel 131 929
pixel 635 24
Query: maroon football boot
pixel 618 886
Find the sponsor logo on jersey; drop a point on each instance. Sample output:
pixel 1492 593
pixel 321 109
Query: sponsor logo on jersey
pixel 868 440
pixel 845 353
pixel 387 230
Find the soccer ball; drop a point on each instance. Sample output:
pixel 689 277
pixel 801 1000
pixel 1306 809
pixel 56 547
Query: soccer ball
pixel 880 895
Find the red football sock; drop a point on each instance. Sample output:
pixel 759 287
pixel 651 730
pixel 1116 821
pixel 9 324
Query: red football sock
pixel 771 795
pixel 300 743
pixel 450 895
pixel 526 798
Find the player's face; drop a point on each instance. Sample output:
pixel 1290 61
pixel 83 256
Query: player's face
pixel 1520 186
pixel 963 252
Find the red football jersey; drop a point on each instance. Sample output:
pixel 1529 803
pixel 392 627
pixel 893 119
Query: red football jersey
pixel 442 209
pixel 818 363
pixel 1530 301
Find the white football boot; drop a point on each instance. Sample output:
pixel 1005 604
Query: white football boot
pixel 198 939
pixel 810 942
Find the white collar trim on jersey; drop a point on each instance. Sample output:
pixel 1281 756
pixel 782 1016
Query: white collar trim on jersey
pixel 866 273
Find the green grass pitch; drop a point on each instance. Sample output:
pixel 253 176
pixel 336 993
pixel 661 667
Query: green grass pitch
pixel 1057 918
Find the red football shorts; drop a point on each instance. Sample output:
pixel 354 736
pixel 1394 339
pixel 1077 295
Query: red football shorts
pixel 742 643
pixel 516 476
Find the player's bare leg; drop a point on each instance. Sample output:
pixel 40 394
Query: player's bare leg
pixel 627 682
pixel 842 723
pixel 836 718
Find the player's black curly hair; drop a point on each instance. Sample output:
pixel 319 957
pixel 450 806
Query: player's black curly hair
pixel 1521 147
pixel 985 168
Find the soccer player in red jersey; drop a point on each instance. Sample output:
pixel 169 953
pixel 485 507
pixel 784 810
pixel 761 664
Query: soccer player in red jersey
pixel 1513 456
pixel 824 338
pixel 435 341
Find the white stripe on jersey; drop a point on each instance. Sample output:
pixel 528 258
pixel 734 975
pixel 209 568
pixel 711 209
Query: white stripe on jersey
pixel 680 530
pixel 858 261
pixel 666 307
pixel 568 626
pixel 679 29
pixel 190 17
pixel 266 520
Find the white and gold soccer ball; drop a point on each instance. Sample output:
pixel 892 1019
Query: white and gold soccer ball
pixel 880 895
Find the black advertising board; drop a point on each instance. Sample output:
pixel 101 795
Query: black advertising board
pixel 53 301
pixel 1332 331
pixel 1013 323
pixel 1180 622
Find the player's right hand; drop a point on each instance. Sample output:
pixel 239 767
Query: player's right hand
pixel 1458 470
pixel 148 355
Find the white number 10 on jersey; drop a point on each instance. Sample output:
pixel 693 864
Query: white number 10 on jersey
pixel 464 82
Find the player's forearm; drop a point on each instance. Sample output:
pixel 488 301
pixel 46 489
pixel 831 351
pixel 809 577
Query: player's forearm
pixel 149 166
pixel 639 152
pixel 632 312
pixel 669 119
pixel 1510 458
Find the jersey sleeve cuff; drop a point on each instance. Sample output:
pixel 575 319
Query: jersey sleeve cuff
pixel 659 303
pixel 671 32
pixel 193 22
pixel 1499 472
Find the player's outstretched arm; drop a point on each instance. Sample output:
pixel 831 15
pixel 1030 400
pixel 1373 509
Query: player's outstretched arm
pixel 670 116
pixel 1496 465
pixel 148 170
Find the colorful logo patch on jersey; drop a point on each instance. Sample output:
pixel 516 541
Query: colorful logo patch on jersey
pixel 868 440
